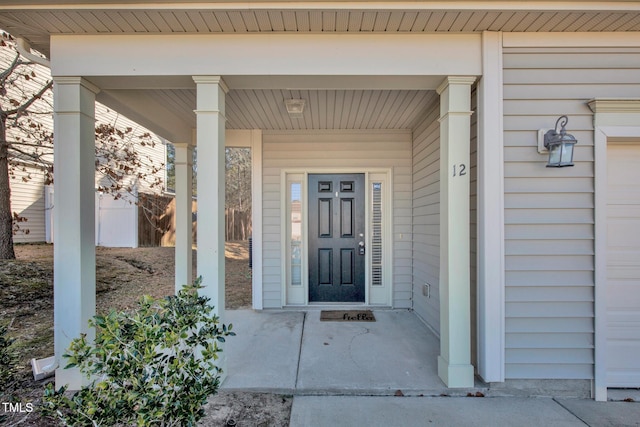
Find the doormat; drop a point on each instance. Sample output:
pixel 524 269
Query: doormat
pixel 347 316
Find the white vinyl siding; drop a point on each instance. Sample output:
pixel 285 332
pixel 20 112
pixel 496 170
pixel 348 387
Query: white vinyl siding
pixel 336 150
pixel 549 212
pixel 426 218
pixel 152 156
pixel 27 201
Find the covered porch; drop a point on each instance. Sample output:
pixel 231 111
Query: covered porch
pixel 209 103
pixel 294 352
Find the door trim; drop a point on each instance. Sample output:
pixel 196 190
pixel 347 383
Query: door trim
pixel 299 295
pixel 614 119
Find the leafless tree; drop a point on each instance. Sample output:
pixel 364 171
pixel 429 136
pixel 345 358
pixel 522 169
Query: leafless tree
pixel 238 179
pixel 26 141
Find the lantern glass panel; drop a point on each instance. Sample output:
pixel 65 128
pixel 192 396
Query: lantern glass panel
pixel 561 154
pixel 566 158
pixel 555 155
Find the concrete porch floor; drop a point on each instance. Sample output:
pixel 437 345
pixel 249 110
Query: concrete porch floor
pixel 347 373
pixel 293 352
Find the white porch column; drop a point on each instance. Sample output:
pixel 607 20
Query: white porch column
pixel 184 216
pixel 74 219
pixel 210 135
pixel 454 362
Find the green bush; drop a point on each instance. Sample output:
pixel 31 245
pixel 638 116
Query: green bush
pixel 152 367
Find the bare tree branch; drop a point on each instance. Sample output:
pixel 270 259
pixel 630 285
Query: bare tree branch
pixel 34 98
pixel 4 75
pixel 26 140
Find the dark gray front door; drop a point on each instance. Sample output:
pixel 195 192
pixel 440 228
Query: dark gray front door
pixel 336 238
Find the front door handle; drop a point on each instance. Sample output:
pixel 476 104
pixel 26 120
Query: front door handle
pixel 361 248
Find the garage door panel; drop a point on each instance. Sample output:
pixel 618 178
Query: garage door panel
pixel 624 352
pixel 624 234
pixel 622 361
pixel 621 379
pixel 623 195
pixel 619 300
pixel 623 266
pixel 625 329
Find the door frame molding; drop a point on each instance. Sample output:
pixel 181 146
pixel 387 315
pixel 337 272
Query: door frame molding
pixel 613 119
pixel 378 174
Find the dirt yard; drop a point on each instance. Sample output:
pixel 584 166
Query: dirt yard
pixel 122 276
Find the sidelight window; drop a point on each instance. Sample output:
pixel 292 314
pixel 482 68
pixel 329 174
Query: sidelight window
pixel 295 218
pixel 376 235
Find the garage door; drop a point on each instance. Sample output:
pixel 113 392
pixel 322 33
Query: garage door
pixel 623 265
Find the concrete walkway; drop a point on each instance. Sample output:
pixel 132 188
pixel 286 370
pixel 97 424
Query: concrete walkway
pixel 374 411
pixel 350 373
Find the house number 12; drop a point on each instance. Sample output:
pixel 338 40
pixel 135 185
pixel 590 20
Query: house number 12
pixel 459 170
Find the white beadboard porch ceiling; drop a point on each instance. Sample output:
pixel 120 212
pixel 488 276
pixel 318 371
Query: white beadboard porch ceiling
pixel 325 109
pixel 36 20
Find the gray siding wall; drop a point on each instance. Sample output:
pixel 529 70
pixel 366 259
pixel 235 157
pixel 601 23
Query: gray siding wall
pixel 336 149
pixel 426 218
pixel 549 213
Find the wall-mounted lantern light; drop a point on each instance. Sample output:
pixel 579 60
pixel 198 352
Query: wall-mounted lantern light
pixel 560 145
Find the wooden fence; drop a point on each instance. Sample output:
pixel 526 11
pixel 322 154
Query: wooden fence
pixel 157 221
pixel 156 215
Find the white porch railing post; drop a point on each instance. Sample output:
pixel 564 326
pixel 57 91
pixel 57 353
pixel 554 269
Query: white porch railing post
pixel 454 362
pixel 74 219
pixel 210 136
pixel 184 215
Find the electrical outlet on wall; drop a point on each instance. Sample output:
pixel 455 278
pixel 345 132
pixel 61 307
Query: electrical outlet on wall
pixel 426 290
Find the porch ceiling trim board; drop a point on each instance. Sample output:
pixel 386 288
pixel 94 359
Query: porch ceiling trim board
pixel 260 55
pixel 542 40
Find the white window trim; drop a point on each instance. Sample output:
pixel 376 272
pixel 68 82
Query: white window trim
pixel 289 289
pixel 613 118
pixel 303 177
